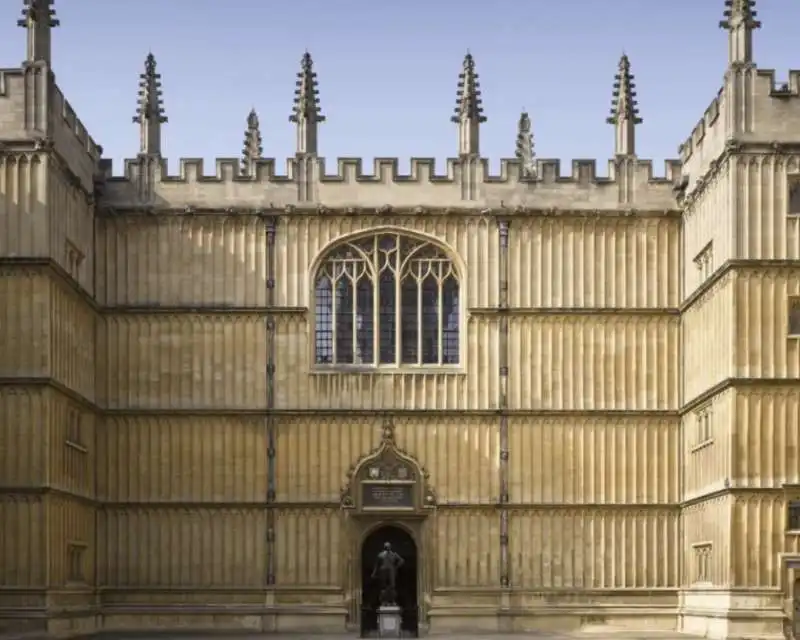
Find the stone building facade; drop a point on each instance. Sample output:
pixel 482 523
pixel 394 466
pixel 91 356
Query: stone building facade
pixel 569 400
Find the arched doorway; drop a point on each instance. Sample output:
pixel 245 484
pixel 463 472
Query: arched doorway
pixel 403 543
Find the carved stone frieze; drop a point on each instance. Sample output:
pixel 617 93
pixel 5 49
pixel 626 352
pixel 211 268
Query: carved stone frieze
pixel 388 466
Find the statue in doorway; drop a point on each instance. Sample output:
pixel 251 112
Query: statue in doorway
pixel 387 564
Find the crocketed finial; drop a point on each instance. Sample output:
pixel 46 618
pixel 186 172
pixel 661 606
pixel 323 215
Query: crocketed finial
pixel 252 150
pixel 469 110
pixel 524 148
pixel 740 11
pixel 306 113
pixel 38 17
pixel 623 102
pixel 306 94
pixel 469 105
pixel 624 110
pixel 150 109
pixel 740 22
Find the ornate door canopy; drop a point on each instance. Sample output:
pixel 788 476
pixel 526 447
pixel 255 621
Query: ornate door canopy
pixel 388 480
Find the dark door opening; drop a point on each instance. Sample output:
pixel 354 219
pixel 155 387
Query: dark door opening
pixel 796 617
pixel 406 583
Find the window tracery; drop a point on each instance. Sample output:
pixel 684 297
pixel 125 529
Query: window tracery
pixel 387 299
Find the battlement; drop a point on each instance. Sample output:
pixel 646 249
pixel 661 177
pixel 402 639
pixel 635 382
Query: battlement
pixel 779 89
pixel 6 75
pixel 73 123
pixel 698 135
pixel 462 182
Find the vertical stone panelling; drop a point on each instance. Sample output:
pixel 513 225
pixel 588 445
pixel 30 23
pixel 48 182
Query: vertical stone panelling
pixel 467 553
pixel 594 460
pixel 24 415
pixel 23 213
pixel 461 453
pixel 594 362
pixel 182 260
pixel 472 240
pixel 708 460
pixel 220 459
pixel 708 220
pixel 299 387
pixel 595 548
pixel 308 547
pixel 759 538
pixel 763 349
pixel 313 454
pixel 163 361
pixel 71 225
pixel 765 230
pixel 766 436
pixel 25 329
pixel 269 421
pixel 23 554
pixel 592 262
pixel 502 400
pixel 71 541
pixel 181 547
pixel 708 347
pixel 72 340
pixel 706 528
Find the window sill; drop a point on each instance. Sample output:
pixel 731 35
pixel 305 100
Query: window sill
pixel 793 532
pixel 453 370
pixel 702 445
pixel 793 336
pixel 71 444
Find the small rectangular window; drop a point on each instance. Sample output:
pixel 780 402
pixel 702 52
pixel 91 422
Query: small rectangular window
pixel 793 520
pixel 75 561
pixel 703 426
pixel 794 317
pixel 74 427
pixel 793 195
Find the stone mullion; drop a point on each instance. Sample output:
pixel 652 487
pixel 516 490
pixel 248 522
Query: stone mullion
pixel 270 399
pixel 502 400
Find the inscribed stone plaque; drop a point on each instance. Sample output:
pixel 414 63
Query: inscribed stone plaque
pixel 387 496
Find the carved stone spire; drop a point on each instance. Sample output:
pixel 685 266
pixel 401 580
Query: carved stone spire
pixel 306 113
pixel 524 150
pixel 38 17
pixel 624 110
pixel 252 150
pixel 469 109
pixel 740 22
pixel 150 112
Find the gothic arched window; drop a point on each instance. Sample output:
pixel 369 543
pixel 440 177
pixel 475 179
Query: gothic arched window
pixel 387 299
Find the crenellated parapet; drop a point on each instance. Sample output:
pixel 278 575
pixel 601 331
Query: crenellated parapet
pixel 461 183
pixel 705 144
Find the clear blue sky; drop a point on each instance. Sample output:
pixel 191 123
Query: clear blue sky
pixel 388 70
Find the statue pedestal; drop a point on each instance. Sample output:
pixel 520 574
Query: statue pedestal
pixel 389 618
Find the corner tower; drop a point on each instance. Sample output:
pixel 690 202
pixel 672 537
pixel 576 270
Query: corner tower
pixel 741 361
pixel 48 166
